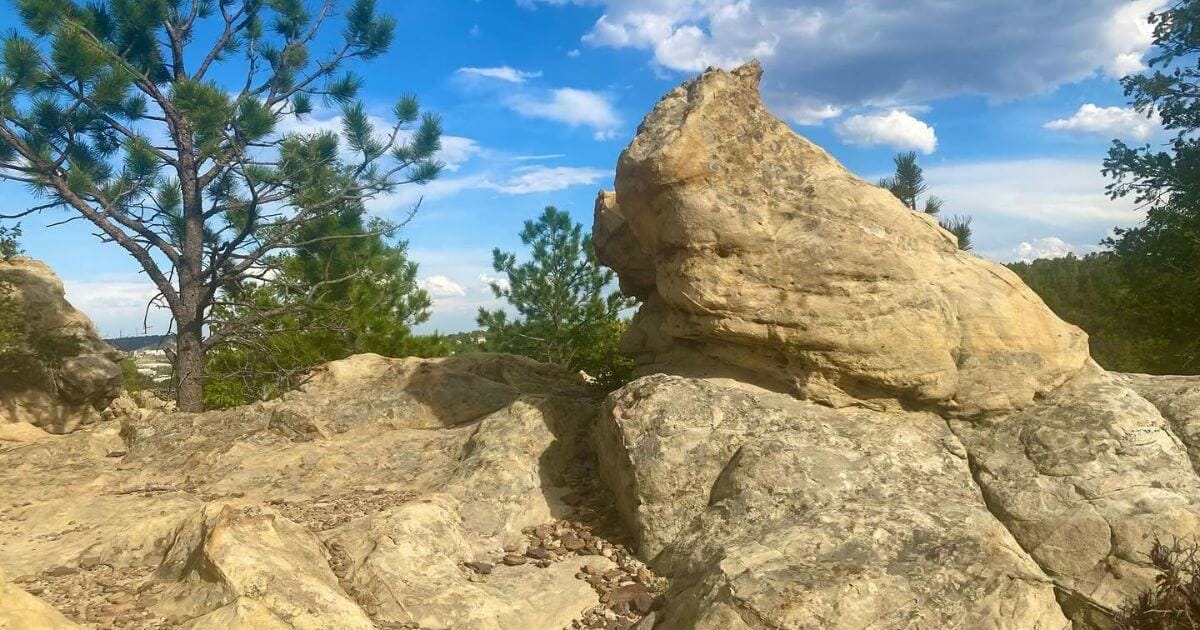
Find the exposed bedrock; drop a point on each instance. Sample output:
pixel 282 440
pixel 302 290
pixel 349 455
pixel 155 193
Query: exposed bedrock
pixel 866 427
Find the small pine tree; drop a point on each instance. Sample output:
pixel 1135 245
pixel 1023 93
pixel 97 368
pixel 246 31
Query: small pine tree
pixel 565 315
pixel 907 183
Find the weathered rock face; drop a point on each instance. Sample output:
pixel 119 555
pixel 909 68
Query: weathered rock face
pixel 938 449
pixel 772 512
pixel 384 493
pixel 71 376
pixel 757 254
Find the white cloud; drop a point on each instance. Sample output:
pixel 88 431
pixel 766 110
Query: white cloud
pixel 1130 34
pixel 873 52
pixel 1110 122
pixel 488 280
pixel 117 305
pixel 457 150
pixel 806 113
pixel 550 178
pixel 1046 247
pixel 503 73
pixel 440 286
pixel 1052 192
pixel 463 266
pixel 572 107
pixel 522 180
pixel 896 129
pixel 574 52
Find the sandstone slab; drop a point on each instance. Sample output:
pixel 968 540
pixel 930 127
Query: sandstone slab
pixel 766 511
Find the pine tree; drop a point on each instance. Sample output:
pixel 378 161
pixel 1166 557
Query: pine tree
pixel 908 184
pixel 1160 257
pixel 304 319
pixel 110 110
pixel 564 313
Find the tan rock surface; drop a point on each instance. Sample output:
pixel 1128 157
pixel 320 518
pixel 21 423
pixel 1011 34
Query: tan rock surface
pixel 352 502
pixel 68 389
pixel 1177 398
pixel 756 254
pixel 21 611
pixel 1086 481
pixel 768 512
pixel 954 406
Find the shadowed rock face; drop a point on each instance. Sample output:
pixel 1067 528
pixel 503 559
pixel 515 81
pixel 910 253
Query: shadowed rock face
pixel 73 375
pixel 754 250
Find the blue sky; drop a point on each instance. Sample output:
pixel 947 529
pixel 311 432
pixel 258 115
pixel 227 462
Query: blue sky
pixel 1011 104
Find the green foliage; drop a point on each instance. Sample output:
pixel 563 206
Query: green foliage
pixel 219 192
pixel 1174 601
pixel 908 184
pixel 130 376
pixel 344 290
pixel 10 241
pixel 14 336
pixel 960 227
pixel 1161 256
pixel 564 314
pixel 1098 294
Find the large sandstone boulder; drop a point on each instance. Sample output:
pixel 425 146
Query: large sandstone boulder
pixel 869 427
pixel 385 493
pixel 63 376
pixel 757 254
pixel 771 512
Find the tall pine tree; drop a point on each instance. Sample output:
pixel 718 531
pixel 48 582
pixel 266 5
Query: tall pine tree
pixel 111 110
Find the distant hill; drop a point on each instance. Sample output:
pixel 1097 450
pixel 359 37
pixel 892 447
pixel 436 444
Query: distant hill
pixel 129 344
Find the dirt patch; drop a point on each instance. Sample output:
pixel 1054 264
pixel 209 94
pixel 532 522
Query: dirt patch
pixel 100 596
pixel 329 511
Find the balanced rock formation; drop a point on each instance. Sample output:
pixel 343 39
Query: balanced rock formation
pixel 757 254
pixel 61 376
pixel 865 426
pixel 453 493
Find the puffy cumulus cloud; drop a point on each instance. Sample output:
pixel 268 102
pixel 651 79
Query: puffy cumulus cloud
pixel 1110 122
pixel 874 52
pixel 1047 247
pixel 440 286
pixel 487 280
pixel 896 129
pixel 502 73
pixel 468 268
pixel 549 178
pixel 572 107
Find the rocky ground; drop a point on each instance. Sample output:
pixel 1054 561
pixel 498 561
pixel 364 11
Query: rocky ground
pixel 841 421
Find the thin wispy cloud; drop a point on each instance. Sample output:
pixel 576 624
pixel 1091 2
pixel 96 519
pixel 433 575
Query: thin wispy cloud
pixel 502 73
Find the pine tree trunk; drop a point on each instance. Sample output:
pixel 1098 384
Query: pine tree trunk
pixel 189 368
pixel 190 314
